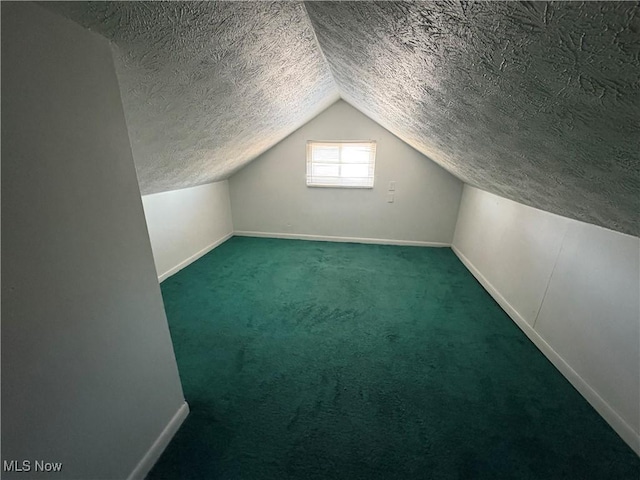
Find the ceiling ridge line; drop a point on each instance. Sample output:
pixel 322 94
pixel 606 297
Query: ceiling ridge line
pixel 326 60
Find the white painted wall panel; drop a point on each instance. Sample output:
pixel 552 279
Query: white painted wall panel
pixel 89 377
pixel 514 246
pixel 591 313
pixel 270 195
pixel 574 289
pixel 185 224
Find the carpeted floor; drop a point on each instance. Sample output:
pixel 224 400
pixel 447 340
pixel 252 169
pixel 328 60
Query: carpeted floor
pixel 313 360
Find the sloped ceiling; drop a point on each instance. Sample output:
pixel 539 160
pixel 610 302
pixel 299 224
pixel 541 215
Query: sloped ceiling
pixel 537 102
pixel 208 86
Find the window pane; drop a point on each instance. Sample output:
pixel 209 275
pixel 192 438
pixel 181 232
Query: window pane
pixel 326 153
pixel 356 170
pixel 355 154
pixel 325 170
pixel 357 182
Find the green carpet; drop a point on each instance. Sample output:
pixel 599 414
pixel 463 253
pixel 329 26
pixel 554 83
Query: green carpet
pixel 314 360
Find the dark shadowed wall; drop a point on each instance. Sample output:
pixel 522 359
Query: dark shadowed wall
pixel 89 377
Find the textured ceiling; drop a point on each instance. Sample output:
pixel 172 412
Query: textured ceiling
pixel 207 86
pixel 537 102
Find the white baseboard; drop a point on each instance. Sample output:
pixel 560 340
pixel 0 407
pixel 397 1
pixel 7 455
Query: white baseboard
pixel 193 257
pixel 622 428
pixel 153 454
pixel 328 238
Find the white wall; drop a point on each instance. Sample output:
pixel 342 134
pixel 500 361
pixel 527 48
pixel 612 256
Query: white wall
pixel 270 196
pixel 89 377
pixel 185 224
pixel 572 287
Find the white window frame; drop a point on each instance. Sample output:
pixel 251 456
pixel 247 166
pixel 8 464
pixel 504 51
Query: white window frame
pixel 339 181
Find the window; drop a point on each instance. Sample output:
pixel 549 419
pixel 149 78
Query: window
pixel 341 164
